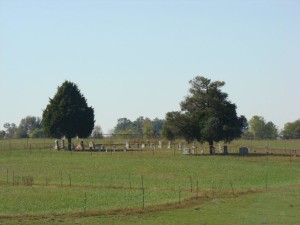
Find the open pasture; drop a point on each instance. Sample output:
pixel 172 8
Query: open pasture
pixel 45 185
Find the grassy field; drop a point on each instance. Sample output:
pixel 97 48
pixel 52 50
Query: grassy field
pixel 147 187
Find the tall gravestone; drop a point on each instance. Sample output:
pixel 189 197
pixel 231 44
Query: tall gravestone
pixel 159 144
pixel 169 144
pixel 56 145
pixel 127 145
pixel 62 144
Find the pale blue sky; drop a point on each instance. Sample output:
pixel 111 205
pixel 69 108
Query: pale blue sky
pixel 135 58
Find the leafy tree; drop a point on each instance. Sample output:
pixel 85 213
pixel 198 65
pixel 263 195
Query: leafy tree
pixel 260 129
pixel 270 130
pixel 68 114
pixel 2 134
pixel 137 126
pixel 28 124
pixel 148 128
pixel 256 126
pixel 291 130
pixel 157 125
pixel 97 132
pixel 123 126
pixel 11 130
pixel 36 133
pixel 206 115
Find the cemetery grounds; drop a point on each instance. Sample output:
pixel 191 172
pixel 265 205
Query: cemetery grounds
pixel 39 185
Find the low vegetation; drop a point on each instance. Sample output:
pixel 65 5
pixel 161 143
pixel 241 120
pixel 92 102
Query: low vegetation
pixel 47 186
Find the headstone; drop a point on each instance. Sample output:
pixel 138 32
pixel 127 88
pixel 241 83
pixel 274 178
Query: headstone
pixel 114 148
pixel 80 146
pixel 91 145
pixel 243 151
pixel 193 148
pixel 220 148
pixel 143 145
pixel 193 145
pixel 127 145
pixel 169 144
pixel 179 146
pixel 62 144
pixel 159 144
pixel 212 150
pixel 225 151
pixel 186 151
pixel 202 151
pixel 56 146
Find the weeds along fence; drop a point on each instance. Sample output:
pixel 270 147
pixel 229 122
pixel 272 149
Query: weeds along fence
pixel 275 147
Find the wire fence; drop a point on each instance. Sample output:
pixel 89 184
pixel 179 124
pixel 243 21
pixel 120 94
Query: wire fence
pixel 113 144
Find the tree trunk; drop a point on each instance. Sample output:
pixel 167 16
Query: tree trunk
pixel 69 144
pixel 211 147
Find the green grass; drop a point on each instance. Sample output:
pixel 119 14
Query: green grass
pixel 113 183
pixel 277 207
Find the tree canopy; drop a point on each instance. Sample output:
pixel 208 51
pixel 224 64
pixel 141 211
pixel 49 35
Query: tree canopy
pixel 68 114
pixel 260 129
pixel 97 132
pixel 206 115
pixel 140 127
pixel 291 130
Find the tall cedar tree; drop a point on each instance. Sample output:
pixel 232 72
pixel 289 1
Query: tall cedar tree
pixel 68 114
pixel 206 115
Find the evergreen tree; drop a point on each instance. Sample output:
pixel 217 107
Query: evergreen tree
pixel 68 114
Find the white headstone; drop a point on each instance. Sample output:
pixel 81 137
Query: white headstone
pixel 56 146
pixel 127 145
pixel 62 143
pixel 91 145
pixel 169 144
pixel 186 151
pixel 220 148
pixel 159 144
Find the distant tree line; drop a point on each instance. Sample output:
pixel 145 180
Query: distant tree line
pixel 141 127
pixel 206 115
pixel 29 127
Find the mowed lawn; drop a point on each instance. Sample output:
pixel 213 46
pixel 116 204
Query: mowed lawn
pixel 147 187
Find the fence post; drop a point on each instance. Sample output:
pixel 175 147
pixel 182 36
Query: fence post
pixel 191 182
pixel 143 198
pixel 61 178
pixel 85 200
pixel 179 195
pixel 232 187
pixel 197 190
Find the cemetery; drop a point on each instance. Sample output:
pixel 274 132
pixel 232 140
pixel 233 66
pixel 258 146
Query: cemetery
pixel 183 147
